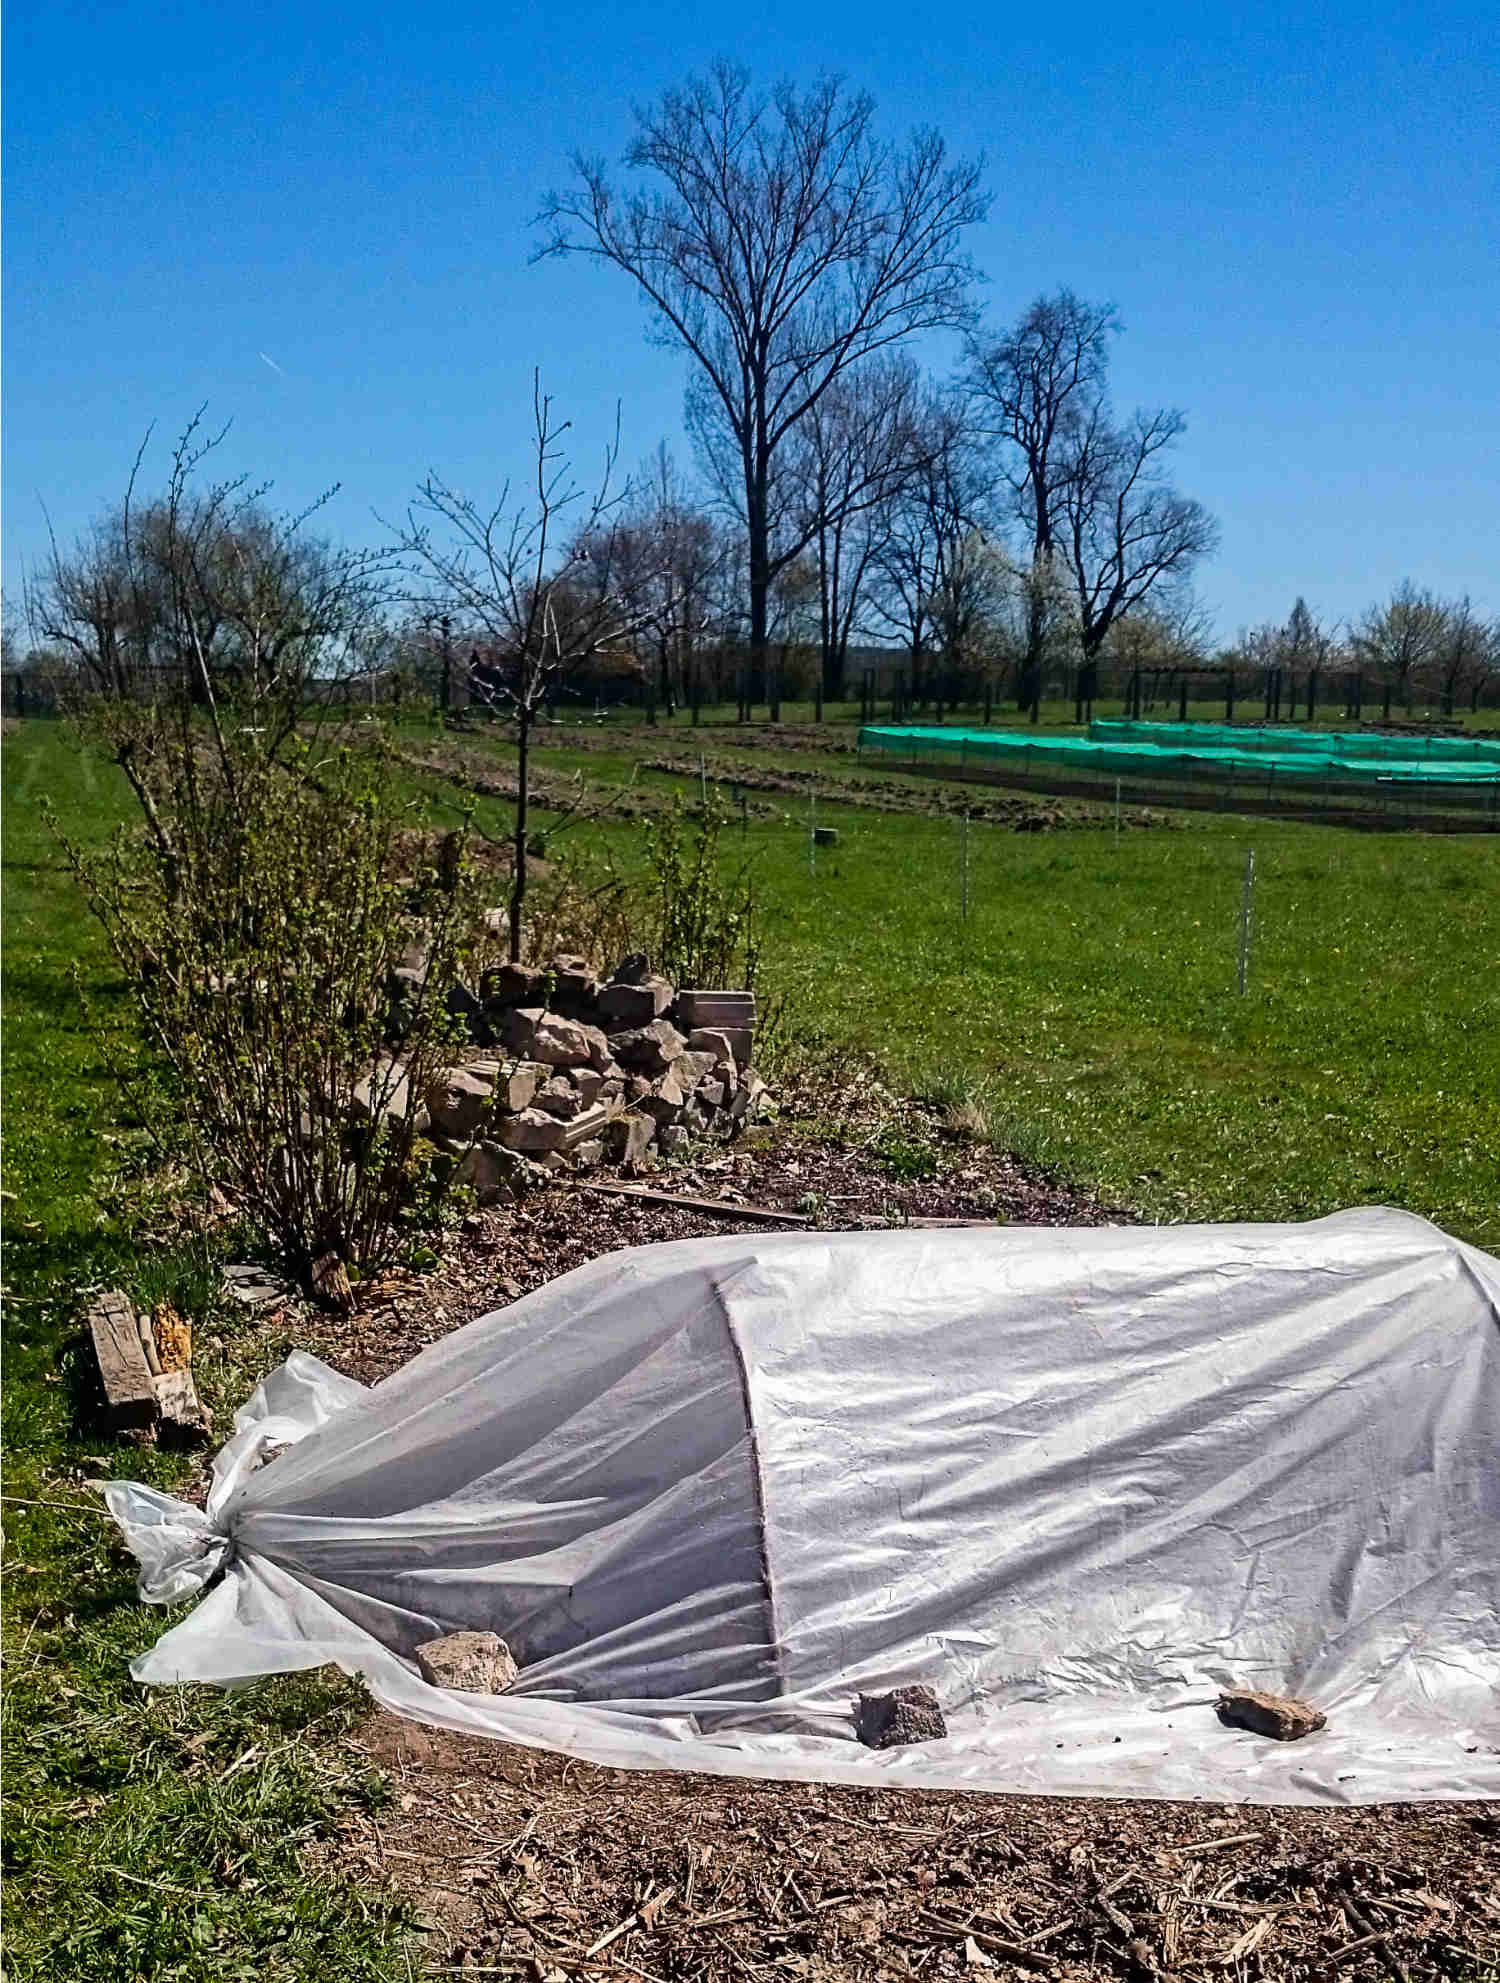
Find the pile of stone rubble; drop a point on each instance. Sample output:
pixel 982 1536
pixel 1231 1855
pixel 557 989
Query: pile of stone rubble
pixel 567 1071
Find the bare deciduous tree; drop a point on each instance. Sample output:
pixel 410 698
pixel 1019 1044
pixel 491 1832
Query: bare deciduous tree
pixel 1084 489
pixel 854 451
pixel 924 526
pixel 780 243
pixel 536 580
pixel 200 619
pixel 1402 637
pixel 1125 533
pixel 667 555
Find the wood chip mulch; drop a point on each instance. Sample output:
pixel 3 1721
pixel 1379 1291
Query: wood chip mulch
pixel 525 1863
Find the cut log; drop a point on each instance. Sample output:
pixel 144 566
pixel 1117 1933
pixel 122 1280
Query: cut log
pixel 185 1419
pixel 129 1392
pixel 330 1281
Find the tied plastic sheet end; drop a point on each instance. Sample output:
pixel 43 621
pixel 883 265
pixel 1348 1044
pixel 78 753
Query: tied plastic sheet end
pixel 178 1547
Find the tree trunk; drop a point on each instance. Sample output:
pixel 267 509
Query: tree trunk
pixel 758 532
pixel 518 877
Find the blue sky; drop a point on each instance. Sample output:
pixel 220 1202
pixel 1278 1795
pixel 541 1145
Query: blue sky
pixel 1295 210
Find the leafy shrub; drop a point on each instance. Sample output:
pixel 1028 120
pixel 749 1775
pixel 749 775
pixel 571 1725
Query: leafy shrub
pixel 260 951
pixel 701 926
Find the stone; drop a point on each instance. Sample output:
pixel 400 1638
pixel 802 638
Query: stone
pixel 387 1079
pixel 559 1097
pixel 588 1156
pixel 532 1131
pixel 636 1004
pixel 906 1714
pixel 665 1101
pixel 611 1088
pixel 711 1094
pixel 711 1039
pixel 628 1138
pixel 1277 1715
pixel 649 1049
pixel 749 1101
pixel 461 1004
pixel 516 1086
pixel 490 1172
pixel 510 985
pixel 518 1024
pixel 691 1068
pixel 252 1287
pixel 674 1140
pixel 637 1087
pixel 575 990
pixel 586 1125
pixel 467 1663
pixel 589 1082
pixel 601 1058
pixel 459 1101
pixel 414 958
pixel 633 969
pixel 715 1008
pixel 561 1042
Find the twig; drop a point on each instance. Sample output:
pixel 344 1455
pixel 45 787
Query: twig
pixel 1215 1844
pixel 722 1206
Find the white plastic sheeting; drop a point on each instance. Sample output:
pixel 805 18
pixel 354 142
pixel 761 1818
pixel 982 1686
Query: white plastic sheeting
pixel 1076 1480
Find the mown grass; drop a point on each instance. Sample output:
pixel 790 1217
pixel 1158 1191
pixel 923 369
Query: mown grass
pixel 145 1834
pixel 1091 996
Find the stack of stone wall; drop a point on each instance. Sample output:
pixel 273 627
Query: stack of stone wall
pixel 567 1072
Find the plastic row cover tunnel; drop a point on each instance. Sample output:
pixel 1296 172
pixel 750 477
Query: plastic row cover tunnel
pixel 1076 1481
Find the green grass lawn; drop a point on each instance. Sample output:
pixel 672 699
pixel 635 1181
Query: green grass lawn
pixel 1092 991
pixel 133 1846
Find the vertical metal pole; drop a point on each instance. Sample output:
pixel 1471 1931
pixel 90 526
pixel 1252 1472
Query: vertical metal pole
pixel 812 832
pixel 1247 919
pixel 1117 812
pixel 963 842
pixel 702 783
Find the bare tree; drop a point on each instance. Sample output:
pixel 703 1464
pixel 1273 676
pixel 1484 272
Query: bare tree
pixel 200 619
pixel 667 553
pixel 1034 389
pixel 779 244
pixel 854 451
pixel 922 529
pixel 535 579
pixel 1084 489
pixel 1402 637
pixel 1125 533
pixel 1467 651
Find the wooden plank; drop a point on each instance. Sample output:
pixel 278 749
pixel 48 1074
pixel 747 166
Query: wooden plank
pixel 123 1370
pixel 723 1207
